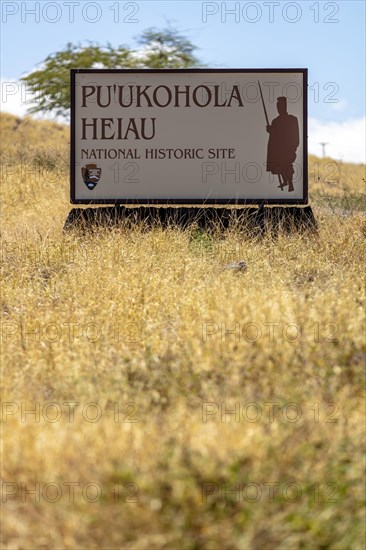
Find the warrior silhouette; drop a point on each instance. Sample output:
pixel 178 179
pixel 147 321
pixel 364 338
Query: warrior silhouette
pixel 282 144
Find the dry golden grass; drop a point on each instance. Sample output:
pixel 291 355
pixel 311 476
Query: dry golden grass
pixel 130 315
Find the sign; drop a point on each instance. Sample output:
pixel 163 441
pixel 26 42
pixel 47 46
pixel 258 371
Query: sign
pixel 197 136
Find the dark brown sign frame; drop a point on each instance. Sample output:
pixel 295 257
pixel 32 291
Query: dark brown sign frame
pixel 189 201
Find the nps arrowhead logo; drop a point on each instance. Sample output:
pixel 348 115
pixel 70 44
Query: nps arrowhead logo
pixel 91 174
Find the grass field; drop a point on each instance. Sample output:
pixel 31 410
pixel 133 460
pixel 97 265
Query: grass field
pixel 131 347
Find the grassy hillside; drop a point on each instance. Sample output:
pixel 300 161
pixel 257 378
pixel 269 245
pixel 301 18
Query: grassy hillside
pixel 27 136
pixel 143 344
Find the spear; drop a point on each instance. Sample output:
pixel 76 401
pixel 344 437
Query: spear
pixel 264 107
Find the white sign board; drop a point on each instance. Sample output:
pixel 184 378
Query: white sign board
pixel 198 136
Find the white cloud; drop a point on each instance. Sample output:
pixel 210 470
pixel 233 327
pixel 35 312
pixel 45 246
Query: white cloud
pixel 345 140
pixel 341 105
pixel 14 96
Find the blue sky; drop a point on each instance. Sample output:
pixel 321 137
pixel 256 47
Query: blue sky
pixel 326 37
